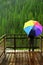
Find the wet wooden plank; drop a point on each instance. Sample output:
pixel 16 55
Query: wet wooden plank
pixel 23 58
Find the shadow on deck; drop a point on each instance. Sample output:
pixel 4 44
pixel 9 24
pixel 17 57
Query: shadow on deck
pixel 23 58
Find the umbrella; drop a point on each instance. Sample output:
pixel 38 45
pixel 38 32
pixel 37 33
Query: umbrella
pixel 33 28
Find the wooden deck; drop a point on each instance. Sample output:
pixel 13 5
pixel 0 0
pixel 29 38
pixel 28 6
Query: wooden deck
pixel 23 58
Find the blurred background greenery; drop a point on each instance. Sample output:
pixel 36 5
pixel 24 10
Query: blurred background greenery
pixel 14 13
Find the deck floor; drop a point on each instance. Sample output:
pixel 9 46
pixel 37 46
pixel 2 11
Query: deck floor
pixel 23 58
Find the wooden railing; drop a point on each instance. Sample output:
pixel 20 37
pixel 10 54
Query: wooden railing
pixel 24 41
pixel 2 47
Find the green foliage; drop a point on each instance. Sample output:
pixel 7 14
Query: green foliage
pixel 14 13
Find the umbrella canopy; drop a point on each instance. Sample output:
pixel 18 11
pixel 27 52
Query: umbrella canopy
pixel 33 28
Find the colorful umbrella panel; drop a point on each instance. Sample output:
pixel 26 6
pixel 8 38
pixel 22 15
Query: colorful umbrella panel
pixel 33 28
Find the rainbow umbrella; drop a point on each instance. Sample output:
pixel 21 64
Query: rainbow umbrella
pixel 33 28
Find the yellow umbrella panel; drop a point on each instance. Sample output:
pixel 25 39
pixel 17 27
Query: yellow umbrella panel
pixel 29 23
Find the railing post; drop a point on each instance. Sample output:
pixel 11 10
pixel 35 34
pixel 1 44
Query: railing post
pixel 41 46
pixel 15 49
pixel 14 43
pixel 4 43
